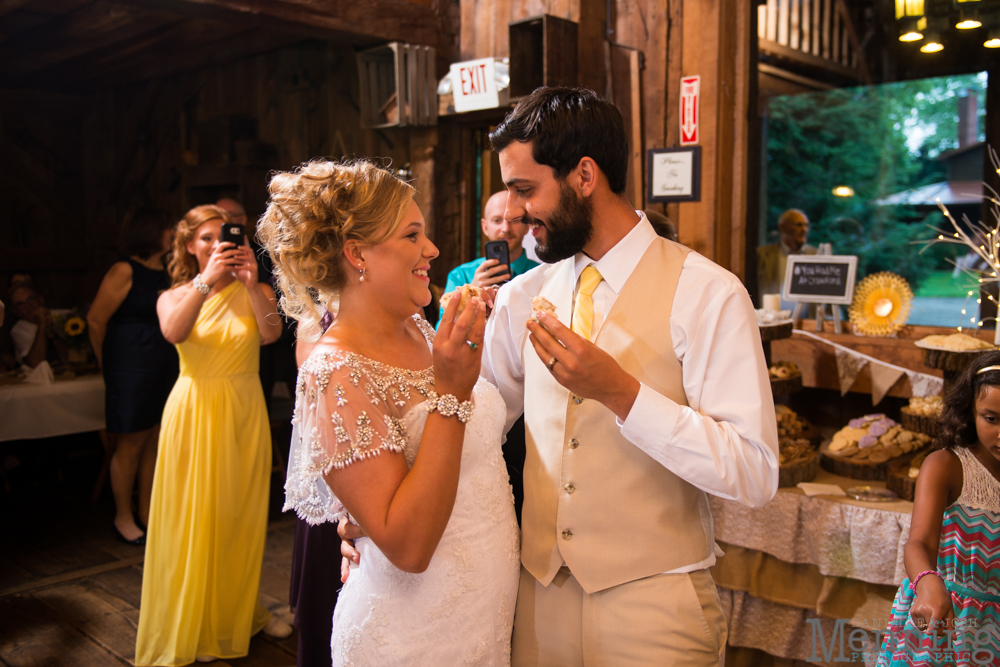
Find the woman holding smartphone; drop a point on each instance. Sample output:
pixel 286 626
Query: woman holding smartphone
pixel 208 513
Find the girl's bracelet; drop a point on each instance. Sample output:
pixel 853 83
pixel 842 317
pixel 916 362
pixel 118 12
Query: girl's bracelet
pixel 916 580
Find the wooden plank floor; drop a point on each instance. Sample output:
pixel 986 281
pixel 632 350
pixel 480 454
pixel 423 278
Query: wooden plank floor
pixel 69 591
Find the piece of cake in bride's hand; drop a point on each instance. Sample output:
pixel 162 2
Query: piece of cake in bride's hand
pixel 464 294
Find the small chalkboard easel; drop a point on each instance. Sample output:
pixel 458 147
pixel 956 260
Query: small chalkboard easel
pixel 820 279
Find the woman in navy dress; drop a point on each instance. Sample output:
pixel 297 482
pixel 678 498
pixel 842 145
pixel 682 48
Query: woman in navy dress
pixel 139 365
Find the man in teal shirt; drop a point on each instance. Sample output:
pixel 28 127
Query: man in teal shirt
pixel 482 272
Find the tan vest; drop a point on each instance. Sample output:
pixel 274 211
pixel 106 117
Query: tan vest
pixel 592 499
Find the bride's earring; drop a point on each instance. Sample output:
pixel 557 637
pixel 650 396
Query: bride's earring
pixel 362 269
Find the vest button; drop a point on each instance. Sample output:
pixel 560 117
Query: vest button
pixel 567 534
pixel 569 488
pixel 574 443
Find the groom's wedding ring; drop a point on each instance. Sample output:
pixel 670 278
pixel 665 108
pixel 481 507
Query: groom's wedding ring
pixel 472 345
pixel 552 362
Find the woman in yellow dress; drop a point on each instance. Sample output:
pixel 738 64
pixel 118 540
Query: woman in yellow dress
pixel 208 514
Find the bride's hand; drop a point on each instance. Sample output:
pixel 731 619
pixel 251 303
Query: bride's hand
pixel 348 532
pixel 458 349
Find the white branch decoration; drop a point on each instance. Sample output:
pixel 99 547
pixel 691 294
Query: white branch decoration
pixel 988 248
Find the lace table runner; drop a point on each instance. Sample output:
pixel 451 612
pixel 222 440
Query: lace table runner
pixel 842 537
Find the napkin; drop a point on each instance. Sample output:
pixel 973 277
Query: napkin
pixel 814 489
pixel 40 374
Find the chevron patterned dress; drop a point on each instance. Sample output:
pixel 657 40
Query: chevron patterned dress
pixel 969 563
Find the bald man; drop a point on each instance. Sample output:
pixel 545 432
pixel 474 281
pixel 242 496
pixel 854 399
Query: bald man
pixel 235 210
pixel 793 226
pixel 483 272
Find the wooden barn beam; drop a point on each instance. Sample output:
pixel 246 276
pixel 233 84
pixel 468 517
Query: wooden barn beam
pixel 715 46
pixel 70 35
pixel 167 59
pixel 387 20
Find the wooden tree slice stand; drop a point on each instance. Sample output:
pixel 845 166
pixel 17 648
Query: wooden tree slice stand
pixel 774 332
pixel 804 471
pixel 857 470
pixel 771 332
pixel 786 386
pixel 919 423
pixel 898 480
pixel 952 363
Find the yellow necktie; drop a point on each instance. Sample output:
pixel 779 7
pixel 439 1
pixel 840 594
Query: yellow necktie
pixel 583 314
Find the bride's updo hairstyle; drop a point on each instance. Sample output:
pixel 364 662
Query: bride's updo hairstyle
pixel 313 212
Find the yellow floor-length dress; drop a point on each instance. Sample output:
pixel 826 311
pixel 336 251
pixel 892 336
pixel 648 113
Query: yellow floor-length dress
pixel 208 514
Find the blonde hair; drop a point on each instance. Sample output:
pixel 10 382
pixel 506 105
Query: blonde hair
pixel 312 214
pixel 183 265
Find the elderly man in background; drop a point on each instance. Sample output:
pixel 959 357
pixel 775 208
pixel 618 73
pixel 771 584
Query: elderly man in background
pixel 235 210
pixel 793 227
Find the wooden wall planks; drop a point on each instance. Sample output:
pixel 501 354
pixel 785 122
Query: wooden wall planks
pixel 77 164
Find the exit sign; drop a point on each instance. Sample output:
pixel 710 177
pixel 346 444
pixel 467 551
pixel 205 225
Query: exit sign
pixel 474 83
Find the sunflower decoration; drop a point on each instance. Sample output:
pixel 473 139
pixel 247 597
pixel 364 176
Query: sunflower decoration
pixel 74 326
pixel 881 305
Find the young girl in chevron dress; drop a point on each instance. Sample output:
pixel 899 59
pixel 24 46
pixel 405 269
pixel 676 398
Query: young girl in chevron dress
pixel 946 610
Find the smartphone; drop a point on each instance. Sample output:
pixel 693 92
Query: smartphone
pixel 500 251
pixel 233 234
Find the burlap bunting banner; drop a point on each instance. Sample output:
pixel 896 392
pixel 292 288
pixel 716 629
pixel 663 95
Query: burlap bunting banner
pixel 850 364
pixel 883 377
pixel 848 367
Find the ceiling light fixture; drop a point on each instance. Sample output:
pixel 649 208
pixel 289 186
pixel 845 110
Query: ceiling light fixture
pixel 932 43
pixel 968 19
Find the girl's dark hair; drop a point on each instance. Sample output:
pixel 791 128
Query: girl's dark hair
pixel 142 233
pixel 564 125
pixel 958 416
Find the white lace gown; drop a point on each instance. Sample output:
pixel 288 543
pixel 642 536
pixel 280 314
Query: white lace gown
pixel 459 611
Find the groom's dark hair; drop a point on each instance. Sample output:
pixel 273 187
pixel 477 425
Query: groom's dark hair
pixel 564 125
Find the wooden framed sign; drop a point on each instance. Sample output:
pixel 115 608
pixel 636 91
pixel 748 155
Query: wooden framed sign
pixel 674 174
pixel 820 278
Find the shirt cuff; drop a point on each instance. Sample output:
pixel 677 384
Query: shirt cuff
pixel 651 421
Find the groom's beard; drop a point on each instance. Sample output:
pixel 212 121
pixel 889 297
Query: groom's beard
pixel 568 229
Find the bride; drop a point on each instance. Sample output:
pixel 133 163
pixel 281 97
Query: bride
pixel 396 428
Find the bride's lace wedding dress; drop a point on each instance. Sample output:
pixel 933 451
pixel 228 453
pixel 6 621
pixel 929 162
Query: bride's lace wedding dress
pixel 460 610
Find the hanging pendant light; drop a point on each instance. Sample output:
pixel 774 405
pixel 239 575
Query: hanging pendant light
pixel 932 43
pixel 968 19
pixel 910 17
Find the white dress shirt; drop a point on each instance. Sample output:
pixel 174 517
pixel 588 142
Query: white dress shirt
pixel 23 334
pixel 725 441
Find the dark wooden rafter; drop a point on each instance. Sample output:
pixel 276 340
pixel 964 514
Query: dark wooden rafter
pixel 87 44
pixel 7 6
pixel 88 28
pixel 388 20
pixel 231 46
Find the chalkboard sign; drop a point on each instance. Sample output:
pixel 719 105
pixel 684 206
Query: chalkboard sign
pixel 820 278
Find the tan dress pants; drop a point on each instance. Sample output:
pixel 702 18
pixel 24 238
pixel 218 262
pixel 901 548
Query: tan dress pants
pixel 668 619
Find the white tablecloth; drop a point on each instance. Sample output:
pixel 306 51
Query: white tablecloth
pixel 29 411
pixel 843 537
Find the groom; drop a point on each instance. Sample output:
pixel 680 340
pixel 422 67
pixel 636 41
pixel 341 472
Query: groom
pixel 647 391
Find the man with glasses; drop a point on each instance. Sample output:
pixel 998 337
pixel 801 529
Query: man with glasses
pixel 482 272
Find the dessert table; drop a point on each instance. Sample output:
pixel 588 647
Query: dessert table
pixel 31 411
pixel 801 563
